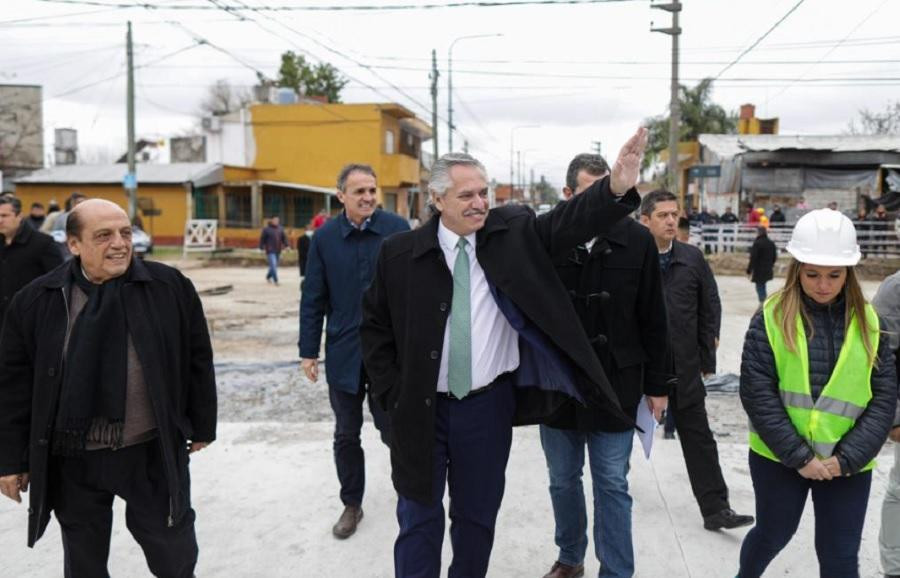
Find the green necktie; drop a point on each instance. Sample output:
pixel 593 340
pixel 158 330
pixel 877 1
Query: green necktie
pixel 459 366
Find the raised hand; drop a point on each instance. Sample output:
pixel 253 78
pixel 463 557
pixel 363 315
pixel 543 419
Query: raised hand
pixel 627 167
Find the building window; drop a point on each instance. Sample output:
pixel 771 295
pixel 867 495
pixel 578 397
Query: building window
pixel 410 144
pixel 238 214
pixel 390 202
pixel 294 208
pixel 389 142
pixel 206 203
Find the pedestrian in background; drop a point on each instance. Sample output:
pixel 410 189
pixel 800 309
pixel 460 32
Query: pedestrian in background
pixel 684 230
pixel 25 253
pixel 819 385
pixel 106 385
pixel 887 303
pixel 761 267
pixel 36 216
pixel 339 268
pixel 272 241
pixel 694 317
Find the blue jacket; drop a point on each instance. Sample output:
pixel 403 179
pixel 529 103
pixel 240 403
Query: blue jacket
pixel 339 268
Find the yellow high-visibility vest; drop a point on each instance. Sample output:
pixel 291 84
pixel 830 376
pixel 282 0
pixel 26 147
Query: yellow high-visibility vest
pixel 823 422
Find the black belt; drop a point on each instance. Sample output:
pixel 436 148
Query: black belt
pixel 472 393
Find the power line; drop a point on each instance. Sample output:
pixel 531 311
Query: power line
pixel 119 74
pixel 833 48
pixel 54 16
pixel 760 39
pixel 348 8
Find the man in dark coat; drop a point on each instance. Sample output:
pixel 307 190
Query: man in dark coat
pixel 272 241
pixel 339 268
pixel 37 215
pixel 25 253
pixel 106 385
pixel 694 313
pixel 615 285
pixel 761 267
pixel 467 331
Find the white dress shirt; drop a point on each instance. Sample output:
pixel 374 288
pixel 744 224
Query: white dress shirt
pixel 495 344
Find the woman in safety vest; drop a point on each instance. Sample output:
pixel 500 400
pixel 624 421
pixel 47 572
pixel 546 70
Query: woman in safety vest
pixel 819 385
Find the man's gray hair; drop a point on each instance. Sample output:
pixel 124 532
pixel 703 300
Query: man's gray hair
pixel 593 164
pixel 353 168
pixel 440 180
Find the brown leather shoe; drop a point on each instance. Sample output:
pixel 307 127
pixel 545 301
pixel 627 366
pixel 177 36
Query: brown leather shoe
pixel 560 570
pixel 346 524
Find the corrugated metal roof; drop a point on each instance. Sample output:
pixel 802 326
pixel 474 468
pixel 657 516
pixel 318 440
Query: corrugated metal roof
pixel 730 145
pixel 199 174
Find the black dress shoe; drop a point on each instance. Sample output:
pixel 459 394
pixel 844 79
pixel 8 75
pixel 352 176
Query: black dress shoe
pixel 727 519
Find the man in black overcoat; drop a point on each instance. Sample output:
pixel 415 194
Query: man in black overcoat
pixel 468 331
pixel 106 386
pixel 694 314
pixel 761 267
pixel 25 253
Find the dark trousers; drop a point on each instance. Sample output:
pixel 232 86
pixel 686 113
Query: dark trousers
pixel 348 452
pixel 472 438
pixel 82 491
pixel 840 508
pixel 701 455
pixel 761 290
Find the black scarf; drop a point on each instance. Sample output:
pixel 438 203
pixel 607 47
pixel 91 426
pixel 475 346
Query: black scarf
pixel 95 374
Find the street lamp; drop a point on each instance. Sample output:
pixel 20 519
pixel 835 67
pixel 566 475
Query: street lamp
pixel 512 158
pixel 450 84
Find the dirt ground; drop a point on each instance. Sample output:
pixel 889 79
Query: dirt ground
pixel 266 491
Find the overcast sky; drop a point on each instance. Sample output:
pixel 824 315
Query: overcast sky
pixel 582 72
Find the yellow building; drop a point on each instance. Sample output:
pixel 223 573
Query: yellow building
pixel 309 143
pixel 171 194
pixel 266 160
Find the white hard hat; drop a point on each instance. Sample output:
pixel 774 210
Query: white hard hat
pixel 824 237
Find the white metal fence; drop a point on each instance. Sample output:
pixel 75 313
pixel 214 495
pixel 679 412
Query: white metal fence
pixel 876 239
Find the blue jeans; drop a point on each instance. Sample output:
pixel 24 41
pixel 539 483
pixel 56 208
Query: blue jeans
pixel 761 291
pixel 609 454
pixel 840 508
pixel 272 273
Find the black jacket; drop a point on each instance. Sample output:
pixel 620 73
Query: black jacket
pixel 695 315
pixel 616 289
pixel 168 328
pixel 30 255
pixel 406 308
pixel 759 391
pixel 763 255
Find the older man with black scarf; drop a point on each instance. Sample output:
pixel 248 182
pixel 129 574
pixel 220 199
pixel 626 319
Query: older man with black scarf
pixel 106 385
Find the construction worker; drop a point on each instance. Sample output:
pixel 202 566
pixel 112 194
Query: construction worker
pixel 819 385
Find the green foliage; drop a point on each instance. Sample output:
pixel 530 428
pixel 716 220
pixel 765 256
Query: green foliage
pixel 307 79
pixel 545 193
pixel 699 115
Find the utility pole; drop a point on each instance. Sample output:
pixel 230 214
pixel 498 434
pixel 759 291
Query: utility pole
pixel 450 98
pixel 131 177
pixel 598 147
pixel 674 112
pixel 434 109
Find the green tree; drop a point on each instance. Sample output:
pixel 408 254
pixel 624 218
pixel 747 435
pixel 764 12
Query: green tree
pixel 699 115
pixel 545 193
pixel 307 79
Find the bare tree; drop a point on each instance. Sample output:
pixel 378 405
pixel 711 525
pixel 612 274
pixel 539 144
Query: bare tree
pixel 222 98
pixel 885 122
pixel 21 128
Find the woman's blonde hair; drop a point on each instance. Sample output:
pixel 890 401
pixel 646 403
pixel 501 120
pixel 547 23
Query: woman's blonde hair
pixel 790 303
